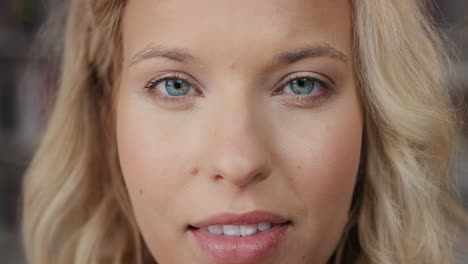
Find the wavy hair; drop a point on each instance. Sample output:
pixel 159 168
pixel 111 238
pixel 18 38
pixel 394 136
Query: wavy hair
pixel 76 208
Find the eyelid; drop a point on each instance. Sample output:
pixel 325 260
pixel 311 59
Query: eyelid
pixel 174 75
pixel 152 92
pixel 327 84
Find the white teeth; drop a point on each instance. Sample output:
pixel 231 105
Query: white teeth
pixel 231 230
pixel 264 226
pixel 247 230
pixel 237 230
pixel 216 229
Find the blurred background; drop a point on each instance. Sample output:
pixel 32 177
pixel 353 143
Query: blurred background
pixel 25 92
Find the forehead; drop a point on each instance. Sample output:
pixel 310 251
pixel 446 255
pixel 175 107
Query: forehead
pixel 236 28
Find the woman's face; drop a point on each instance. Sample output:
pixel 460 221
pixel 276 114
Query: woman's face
pixel 239 128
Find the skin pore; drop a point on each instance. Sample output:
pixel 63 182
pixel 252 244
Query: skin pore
pixel 234 106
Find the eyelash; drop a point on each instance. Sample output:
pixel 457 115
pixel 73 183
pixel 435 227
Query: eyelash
pixel 303 100
pixel 326 87
pixel 150 87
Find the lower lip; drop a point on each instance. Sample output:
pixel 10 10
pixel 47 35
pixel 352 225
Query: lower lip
pixel 240 249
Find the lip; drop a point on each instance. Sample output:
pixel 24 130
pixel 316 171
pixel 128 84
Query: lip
pixel 249 218
pixel 248 249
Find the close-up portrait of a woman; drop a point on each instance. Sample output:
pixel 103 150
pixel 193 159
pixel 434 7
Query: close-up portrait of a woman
pixel 247 132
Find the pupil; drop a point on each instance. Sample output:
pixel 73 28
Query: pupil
pixel 178 84
pixel 301 82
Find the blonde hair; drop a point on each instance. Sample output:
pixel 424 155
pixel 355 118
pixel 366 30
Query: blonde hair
pixel 76 207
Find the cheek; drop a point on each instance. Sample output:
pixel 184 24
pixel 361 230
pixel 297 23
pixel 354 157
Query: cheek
pixel 326 180
pixel 325 148
pixel 155 176
pixel 334 160
pixel 321 160
pixel 151 164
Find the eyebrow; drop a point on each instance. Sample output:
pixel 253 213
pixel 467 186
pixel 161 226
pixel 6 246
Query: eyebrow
pixel 311 51
pixel 288 57
pixel 154 51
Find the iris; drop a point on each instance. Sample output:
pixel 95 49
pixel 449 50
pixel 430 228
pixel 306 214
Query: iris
pixel 302 85
pixel 177 87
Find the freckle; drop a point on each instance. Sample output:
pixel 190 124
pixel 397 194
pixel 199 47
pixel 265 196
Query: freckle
pixel 232 65
pixel 194 171
pixel 299 167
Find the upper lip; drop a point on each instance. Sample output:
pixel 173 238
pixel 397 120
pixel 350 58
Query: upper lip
pixel 249 218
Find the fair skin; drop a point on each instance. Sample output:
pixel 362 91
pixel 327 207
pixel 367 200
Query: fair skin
pixel 241 136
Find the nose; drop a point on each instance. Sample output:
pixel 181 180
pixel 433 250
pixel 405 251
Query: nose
pixel 237 145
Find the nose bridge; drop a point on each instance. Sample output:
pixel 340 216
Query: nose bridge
pixel 239 153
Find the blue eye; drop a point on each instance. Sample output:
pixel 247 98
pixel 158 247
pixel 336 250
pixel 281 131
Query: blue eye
pixel 171 87
pixel 176 87
pixel 302 85
pixel 305 91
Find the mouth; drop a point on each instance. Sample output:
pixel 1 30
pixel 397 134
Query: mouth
pixel 240 238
